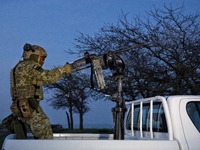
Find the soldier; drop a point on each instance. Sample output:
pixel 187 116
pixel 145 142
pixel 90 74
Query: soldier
pixel 27 78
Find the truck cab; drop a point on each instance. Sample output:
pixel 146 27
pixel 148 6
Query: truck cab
pixel 165 118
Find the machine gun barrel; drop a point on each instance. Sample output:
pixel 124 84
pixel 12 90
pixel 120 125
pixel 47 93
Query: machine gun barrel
pixel 110 60
pixel 87 59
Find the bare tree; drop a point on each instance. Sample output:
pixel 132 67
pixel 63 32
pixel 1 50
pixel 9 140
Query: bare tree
pixel 60 98
pixel 168 66
pixel 72 92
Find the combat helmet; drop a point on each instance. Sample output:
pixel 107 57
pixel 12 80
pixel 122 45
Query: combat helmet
pixel 34 53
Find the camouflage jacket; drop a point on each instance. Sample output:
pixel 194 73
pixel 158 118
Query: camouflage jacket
pixel 27 79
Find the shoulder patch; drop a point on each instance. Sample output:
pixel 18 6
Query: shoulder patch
pixel 38 68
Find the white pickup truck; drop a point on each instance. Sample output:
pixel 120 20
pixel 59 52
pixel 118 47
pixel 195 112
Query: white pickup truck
pixel 157 123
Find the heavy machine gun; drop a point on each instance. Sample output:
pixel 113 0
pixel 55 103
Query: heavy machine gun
pixel 115 63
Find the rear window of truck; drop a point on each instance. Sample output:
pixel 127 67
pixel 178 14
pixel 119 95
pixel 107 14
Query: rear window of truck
pixel 159 120
pixel 193 110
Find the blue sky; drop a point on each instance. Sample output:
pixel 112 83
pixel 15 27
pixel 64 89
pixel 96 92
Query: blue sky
pixel 53 24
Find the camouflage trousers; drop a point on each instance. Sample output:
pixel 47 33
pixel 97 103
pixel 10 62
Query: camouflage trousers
pixel 39 124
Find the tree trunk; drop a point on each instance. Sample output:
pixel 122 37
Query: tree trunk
pixel 71 118
pixel 81 121
pixel 69 125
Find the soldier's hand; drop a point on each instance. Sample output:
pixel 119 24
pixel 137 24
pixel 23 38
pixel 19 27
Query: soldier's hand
pixel 68 68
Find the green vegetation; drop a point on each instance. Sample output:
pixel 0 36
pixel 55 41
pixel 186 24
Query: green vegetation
pixel 102 131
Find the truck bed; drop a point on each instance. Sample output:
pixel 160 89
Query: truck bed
pixel 87 142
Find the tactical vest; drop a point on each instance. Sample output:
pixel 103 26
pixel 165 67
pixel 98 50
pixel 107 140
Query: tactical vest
pixel 31 91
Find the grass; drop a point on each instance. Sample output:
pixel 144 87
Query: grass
pixel 102 131
pixel 61 130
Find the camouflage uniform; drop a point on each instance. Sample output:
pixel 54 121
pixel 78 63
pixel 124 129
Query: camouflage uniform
pixel 29 74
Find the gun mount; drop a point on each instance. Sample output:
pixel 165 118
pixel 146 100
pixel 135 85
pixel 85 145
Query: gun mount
pixel 117 66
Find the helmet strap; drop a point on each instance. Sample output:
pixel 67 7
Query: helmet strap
pixel 36 59
pixel 41 62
